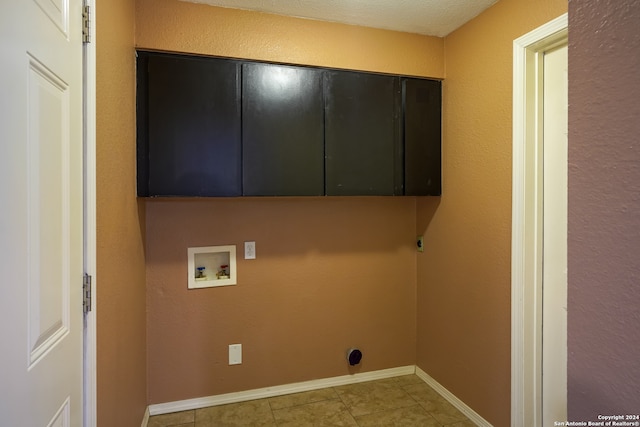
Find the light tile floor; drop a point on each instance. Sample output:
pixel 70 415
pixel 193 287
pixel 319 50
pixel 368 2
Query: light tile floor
pixel 404 401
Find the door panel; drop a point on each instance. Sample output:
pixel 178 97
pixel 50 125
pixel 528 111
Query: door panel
pixel 41 220
pixel 58 12
pixel 47 210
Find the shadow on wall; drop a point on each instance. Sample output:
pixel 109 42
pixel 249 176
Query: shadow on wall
pixel 142 223
pixel 425 211
pixel 291 225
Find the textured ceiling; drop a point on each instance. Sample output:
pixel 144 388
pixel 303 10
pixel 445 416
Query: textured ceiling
pixel 430 17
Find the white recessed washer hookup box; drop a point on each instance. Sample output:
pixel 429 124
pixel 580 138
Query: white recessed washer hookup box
pixel 211 266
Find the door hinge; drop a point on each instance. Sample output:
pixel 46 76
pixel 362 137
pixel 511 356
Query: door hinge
pixel 86 24
pixel 86 293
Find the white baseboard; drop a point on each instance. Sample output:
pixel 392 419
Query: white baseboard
pixel 459 404
pixel 262 393
pixel 145 419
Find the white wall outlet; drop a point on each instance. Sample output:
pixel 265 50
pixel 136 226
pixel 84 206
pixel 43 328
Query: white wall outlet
pixel 235 354
pixel 249 250
pixel 420 243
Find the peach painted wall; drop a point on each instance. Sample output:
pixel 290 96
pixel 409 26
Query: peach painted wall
pixel 330 273
pixel 120 284
pixel 195 28
pixel 464 275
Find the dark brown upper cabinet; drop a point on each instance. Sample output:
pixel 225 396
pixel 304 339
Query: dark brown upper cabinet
pixel 422 128
pixel 189 133
pixel 282 131
pixel 221 127
pixel 362 141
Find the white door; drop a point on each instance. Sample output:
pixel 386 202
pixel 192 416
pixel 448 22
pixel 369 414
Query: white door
pixel 41 216
pixel 554 257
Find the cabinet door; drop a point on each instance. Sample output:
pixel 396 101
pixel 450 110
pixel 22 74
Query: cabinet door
pixel 193 145
pixel 363 153
pixel 422 136
pixel 282 131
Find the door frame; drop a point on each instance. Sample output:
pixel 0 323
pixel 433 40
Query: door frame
pixel 526 235
pixel 90 226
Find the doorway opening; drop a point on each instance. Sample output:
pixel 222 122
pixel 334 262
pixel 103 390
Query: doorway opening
pixel 530 395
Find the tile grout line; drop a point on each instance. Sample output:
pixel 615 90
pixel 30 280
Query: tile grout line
pixel 346 406
pixel 404 388
pixel 273 416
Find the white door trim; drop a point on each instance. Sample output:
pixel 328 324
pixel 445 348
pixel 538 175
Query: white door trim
pixel 526 236
pixel 90 337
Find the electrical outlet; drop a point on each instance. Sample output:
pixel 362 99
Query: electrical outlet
pixel 420 243
pixel 249 250
pixel 235 354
